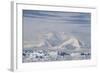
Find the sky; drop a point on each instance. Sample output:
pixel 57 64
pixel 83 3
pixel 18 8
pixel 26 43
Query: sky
pixel 77 24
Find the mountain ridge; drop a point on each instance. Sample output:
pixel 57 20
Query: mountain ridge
pixel 57 40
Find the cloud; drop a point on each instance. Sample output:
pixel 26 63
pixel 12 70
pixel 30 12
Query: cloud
pixel 57 16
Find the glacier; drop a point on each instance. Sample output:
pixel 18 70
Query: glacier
pixel 55 47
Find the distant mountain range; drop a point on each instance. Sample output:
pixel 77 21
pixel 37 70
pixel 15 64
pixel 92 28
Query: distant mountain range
pixel 58 40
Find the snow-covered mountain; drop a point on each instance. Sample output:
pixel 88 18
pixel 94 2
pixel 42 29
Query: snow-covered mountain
pixel 58 40
pixel 71 43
